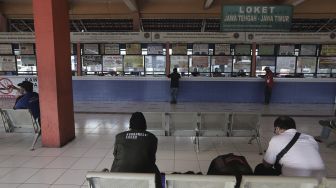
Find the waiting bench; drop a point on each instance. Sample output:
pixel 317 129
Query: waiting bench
pixel 278 182
pixel 120 180
pixel 20 120
pixel 199 181
pixel 197 124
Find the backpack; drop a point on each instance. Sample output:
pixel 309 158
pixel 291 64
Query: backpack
pixel 230 164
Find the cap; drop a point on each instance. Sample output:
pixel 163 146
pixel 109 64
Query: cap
pixel 266 68
pixel 26 85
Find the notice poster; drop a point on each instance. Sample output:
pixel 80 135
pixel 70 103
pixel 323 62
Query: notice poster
pixel 133 63
pixel 28 60
pixel 266 49
pixel 133 49
pixel 308 50
pixel 222 49
pixel 286 50
pixel 8 92
pixel 328 50
pixel 327 63
pixel 200 49
pixel 112 62
pixel 179 62
pixel 155 49
pixel 7 63
pixel 92 62
pixel 91 49
pixel 221 60
pixel 179 49
pixel 242 50
pixel 200 61
pixel 6 49
pixel 26 49
pixel 111 49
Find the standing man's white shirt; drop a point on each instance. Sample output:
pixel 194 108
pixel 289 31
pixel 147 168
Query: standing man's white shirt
pixel 302 159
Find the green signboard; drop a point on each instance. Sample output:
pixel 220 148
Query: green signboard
pixel 256 18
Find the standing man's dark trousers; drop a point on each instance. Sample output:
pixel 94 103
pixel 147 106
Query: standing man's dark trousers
pixel 268 94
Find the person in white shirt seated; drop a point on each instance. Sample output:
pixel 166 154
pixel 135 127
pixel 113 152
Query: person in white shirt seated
pixel 302 159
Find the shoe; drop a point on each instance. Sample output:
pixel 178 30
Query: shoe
pixel 318 139
pixel 324 123
pixel 328 123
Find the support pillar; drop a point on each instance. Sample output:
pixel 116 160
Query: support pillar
pixel 79 62
pixel 52 36
pixel 167 59
pixel 3 23
pixel 254 60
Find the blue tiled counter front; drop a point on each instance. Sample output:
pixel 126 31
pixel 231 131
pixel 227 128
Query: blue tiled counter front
pixel 244 90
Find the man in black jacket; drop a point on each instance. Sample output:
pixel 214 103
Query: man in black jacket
pixel 174 85
pixel 134 150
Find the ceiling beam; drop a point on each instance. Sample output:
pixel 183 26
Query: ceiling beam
pixel 136 22
pixel 131 4
pixel 208 3
pixel 81 22
pixel 16 28
pixel 24 23
pixel 75 26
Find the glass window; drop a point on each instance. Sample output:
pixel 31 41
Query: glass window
pixel 200 65
pixel 306 65
pixel 26 64
pixel 285 65
pixel 133 65
pixel 155 65
pixel 112 64
pixel 221 64
pixel 181 63
pixel 92 64
pixel 265 61
pixel 242 63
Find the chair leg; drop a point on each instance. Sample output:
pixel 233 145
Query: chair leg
pixel 37 135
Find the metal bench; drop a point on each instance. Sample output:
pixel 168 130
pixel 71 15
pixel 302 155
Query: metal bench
pixel 21 120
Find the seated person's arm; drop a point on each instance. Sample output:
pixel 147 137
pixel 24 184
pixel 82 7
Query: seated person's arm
pixel 271 153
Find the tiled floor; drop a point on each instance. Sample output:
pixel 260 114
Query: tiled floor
pixel 93 150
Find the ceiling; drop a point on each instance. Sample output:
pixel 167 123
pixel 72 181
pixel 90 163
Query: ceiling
pixel 166 15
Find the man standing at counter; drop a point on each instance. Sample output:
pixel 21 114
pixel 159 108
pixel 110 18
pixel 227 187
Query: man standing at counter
pixel 174 85
pixel 268 84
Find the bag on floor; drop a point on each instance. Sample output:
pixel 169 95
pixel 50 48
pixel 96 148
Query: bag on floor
pixel 230 164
